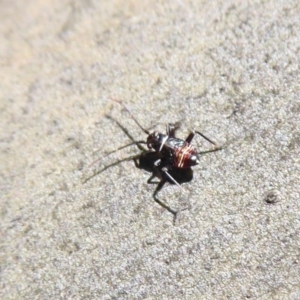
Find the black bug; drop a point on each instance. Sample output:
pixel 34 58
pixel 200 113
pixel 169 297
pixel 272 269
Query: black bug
pixel 167 157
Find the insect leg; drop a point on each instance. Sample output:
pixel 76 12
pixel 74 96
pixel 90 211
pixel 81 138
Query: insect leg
pixel 162 204
pixel 165 170
pixel 133 157
pixel 190 137
pixel 192 134
pixel 126 132
pixel 172 128
pixel 205 137
pixel 120 148
pixel 211 150
pixel 125 146
pixel 131 115
pixel 165 206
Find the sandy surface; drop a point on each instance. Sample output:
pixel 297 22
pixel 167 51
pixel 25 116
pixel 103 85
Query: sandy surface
pixel 226 68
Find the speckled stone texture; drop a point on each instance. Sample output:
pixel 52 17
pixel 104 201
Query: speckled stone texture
pixel 229 69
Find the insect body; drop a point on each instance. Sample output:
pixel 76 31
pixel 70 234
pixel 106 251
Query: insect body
pixel 172 155
pixel 179 154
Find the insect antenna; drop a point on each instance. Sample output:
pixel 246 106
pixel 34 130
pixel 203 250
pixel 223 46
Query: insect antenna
pixel 134 119
pixel 116 150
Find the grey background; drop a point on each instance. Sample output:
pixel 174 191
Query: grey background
pixel 227 68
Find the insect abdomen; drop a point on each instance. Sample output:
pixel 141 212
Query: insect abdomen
pixel 185 157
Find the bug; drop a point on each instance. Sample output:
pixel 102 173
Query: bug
pixel 171 157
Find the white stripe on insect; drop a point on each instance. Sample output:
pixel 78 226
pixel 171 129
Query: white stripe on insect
pixel 182 154
pixel 163 142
